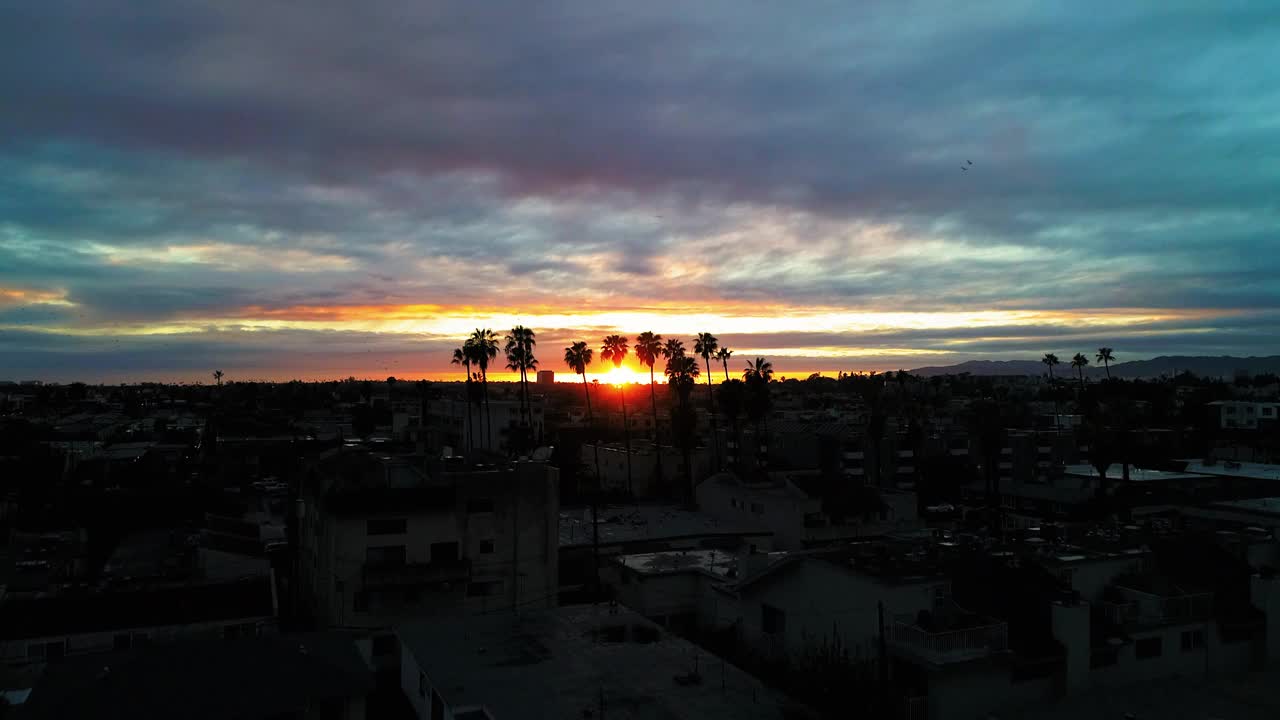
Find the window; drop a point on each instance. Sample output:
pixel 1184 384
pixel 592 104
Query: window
pixel 772 620
pixel 1148 648
pixel 360 601
pixel 757 508
pixel 1192 640
pixel 444 552
pixel 385 555
pixel 486 547
pixel 487 588
pixel 480 505
pixel 386 526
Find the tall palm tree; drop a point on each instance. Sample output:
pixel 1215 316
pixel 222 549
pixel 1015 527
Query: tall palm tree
pixel 1105 356
pixel 648 349
pixel 485 346
pixel 462 357
pixel 1080 362
pixel 682 374
pixel 519 351
pixel 723 355
pixel 1050 360
pixel 578 356
pixel 757 376
pixel 706 345
pixel 732 396
pixel 217 377
pixel 614 350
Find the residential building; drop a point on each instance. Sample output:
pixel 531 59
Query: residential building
pixel 380 539
pixel 572 662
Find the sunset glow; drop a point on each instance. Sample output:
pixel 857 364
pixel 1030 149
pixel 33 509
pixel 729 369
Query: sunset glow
pixel 853 198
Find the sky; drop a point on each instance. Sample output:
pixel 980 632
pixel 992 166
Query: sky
pixel 323 189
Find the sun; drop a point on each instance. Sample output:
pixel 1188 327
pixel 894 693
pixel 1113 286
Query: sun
pixel 622 376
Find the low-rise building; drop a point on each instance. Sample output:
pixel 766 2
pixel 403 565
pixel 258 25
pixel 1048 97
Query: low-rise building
pixel 572 662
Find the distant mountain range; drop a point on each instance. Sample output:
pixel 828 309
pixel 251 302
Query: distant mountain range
pixel 1224 366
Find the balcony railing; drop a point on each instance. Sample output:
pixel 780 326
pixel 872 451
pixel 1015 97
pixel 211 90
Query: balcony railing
pixel 413 574
pixel 1147 609
pixel 949 645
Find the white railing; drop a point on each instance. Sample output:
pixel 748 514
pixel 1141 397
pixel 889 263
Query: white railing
pixel 951 645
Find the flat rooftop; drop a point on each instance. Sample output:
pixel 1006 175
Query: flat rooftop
pixel 637 523
pixel 1257 506
pixel 562 662
pixel 1231 468
pixel 1115 472
pixel 714 562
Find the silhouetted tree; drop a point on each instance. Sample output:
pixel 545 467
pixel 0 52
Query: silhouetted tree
pixel 757 376
pixel 723 355
pixel 614 350
pixel 1105 356
pixel 707 345
pixel 1080 362
pixel 682 373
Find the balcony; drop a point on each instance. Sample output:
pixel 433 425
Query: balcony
pixel 952 645
pixel 1147 601
pixel 415 574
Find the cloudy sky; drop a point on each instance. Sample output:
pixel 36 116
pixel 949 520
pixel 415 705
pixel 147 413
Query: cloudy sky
pixel 323 188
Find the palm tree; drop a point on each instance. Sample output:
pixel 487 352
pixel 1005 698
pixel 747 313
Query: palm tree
pixel 1079 362
pixel 706 345
pixel 1050 360
pixel 757 376
pixel 682 374
pixel 578 356
pixel 217 376
pixel 519 351
pixel 723 356
pixel 1105 357
pixel 462 357
pixel 732 394
pixel 614 350
pixel 485 346
pixel 648 349
pixel 673 348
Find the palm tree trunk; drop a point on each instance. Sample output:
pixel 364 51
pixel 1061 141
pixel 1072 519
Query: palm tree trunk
pixel 657 446
pixel 626 433
pixel 711 410
pixel 595 495
pixel 726 369
pixel 1106 365
pixel 488 418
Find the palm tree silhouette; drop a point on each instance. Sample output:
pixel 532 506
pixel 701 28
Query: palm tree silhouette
pixel 578 356
pixel 485 345
pixel 723 356
pixel 1079 362
pixel 462 357
pixel 682 374
pixel 648 349
pixel 1105 357
pixel 1050 360
pixel 614 350
pixel 217 376
pixel 673 348
pixel 519 351
pixel 757 375
pixel 706 345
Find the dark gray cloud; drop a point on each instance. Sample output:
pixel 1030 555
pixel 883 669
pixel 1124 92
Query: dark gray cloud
pixel 194 159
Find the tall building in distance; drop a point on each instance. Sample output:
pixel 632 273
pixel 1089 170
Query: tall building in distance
pixel 546 377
